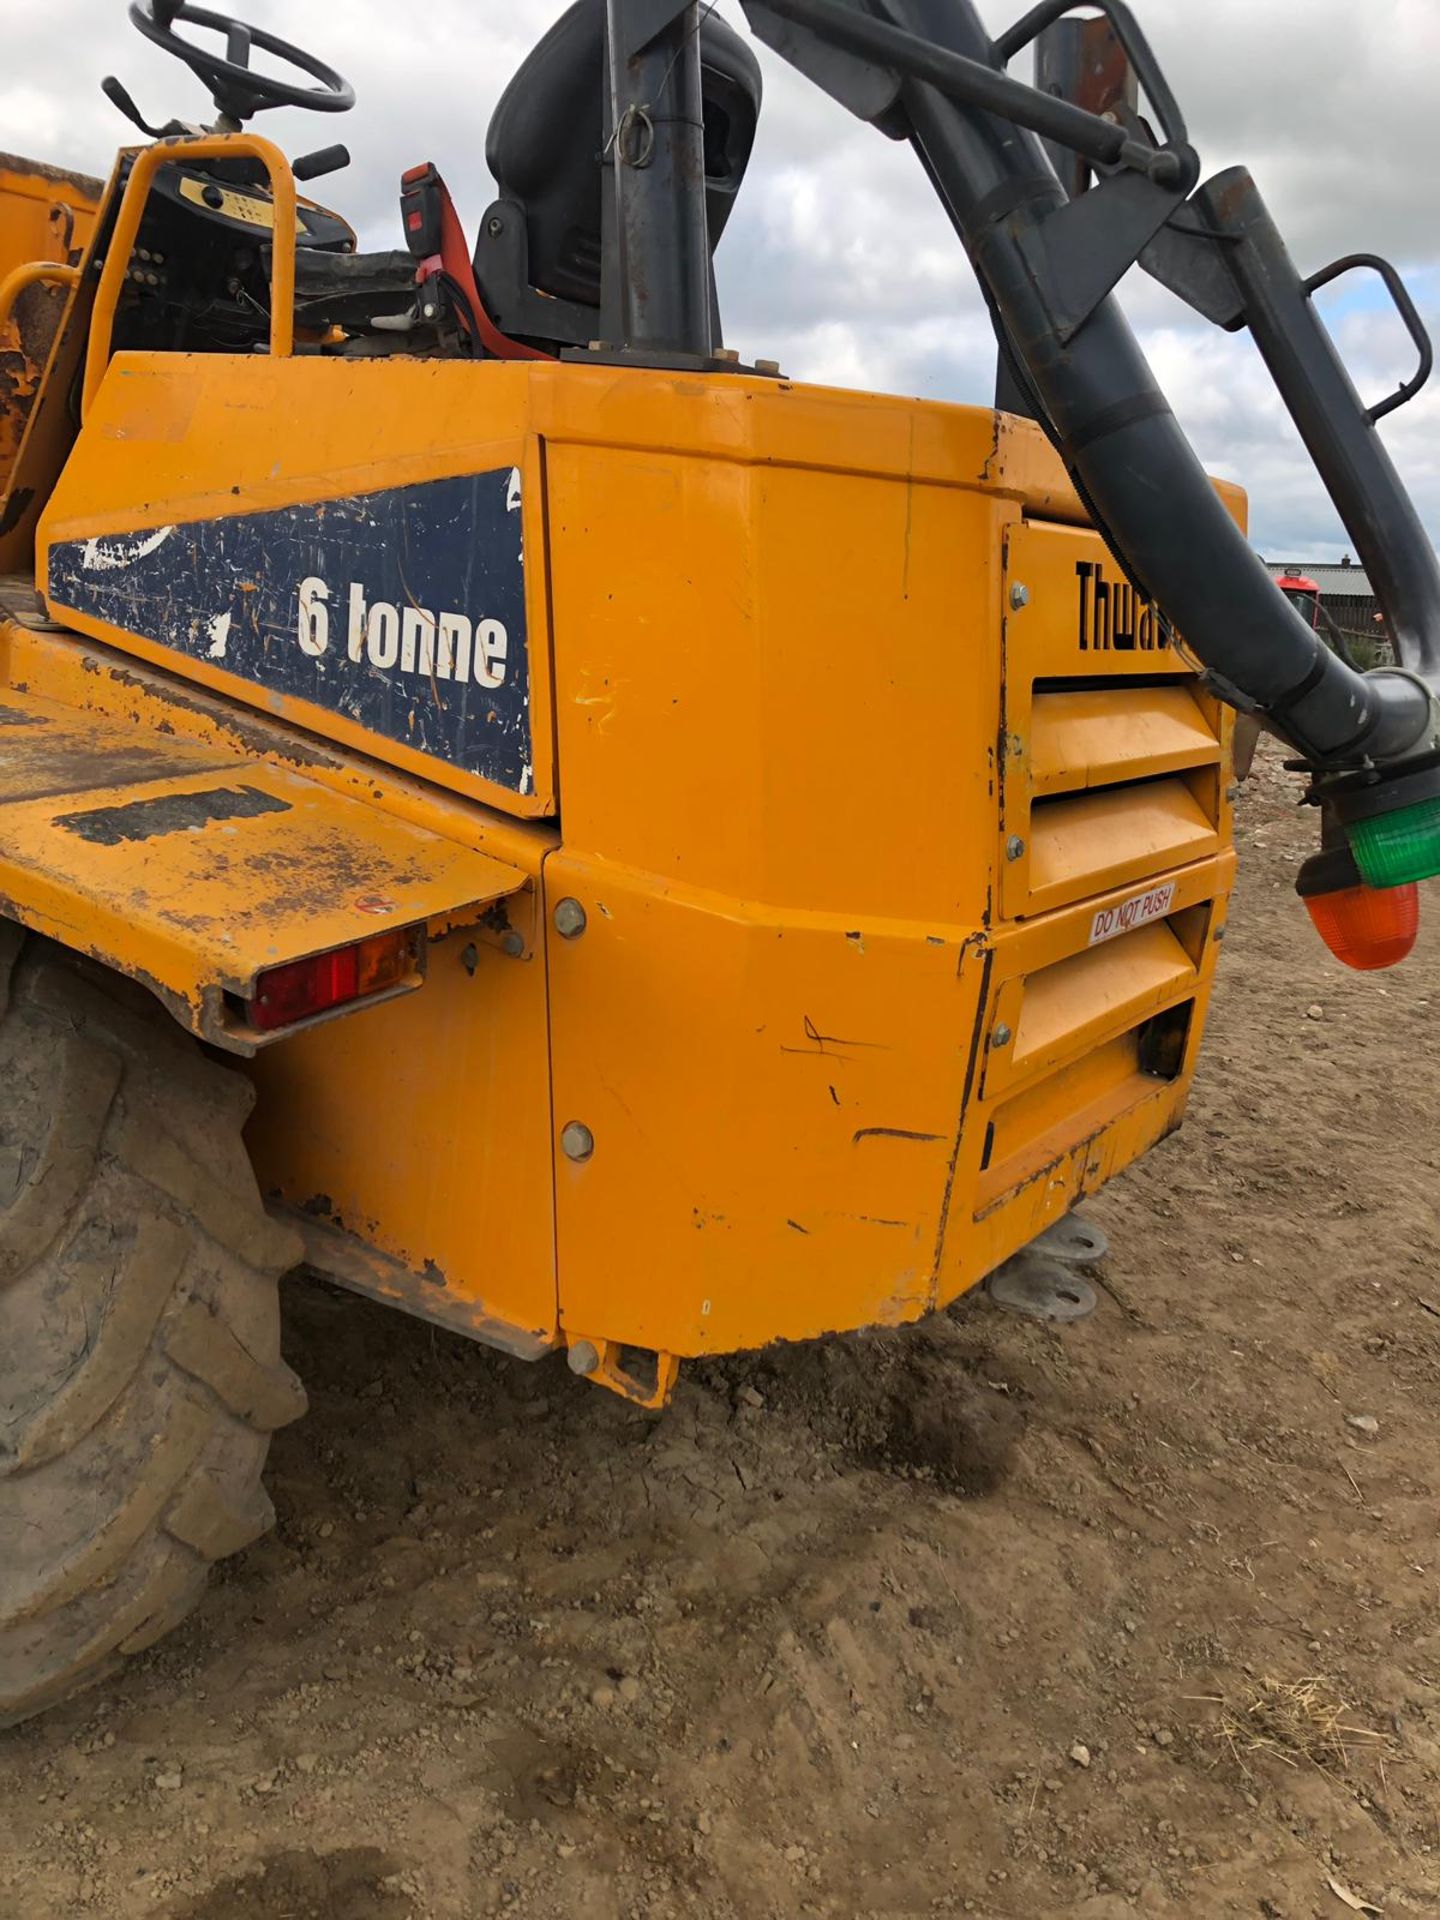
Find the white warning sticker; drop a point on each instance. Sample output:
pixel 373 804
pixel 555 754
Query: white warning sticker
pixel 1126 915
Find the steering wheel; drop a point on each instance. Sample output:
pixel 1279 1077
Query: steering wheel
pixel 235 89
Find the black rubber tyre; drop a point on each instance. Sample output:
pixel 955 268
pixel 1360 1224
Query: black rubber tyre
pixel 140 1369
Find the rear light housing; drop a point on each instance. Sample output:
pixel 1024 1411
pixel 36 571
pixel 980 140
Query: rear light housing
pixel 324 982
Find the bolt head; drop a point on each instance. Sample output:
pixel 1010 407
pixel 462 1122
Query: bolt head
pixel 512 941
pixel 1019 596
pixel 1002 1036
pixel 583 1357
pixel 569 919
pixel 494 225
pixel 577 1142
pixel 1014 847
pixel 770 367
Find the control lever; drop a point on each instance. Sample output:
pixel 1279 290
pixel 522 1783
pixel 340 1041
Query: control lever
pixel 116 94
pixel 325 160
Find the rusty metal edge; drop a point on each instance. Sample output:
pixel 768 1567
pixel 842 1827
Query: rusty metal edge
pixel 21 164
pixel 352 1263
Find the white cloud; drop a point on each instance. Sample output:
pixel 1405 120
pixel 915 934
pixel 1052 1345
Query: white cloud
pixel 839 260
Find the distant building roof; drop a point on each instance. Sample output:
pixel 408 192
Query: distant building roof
pixel 1328 576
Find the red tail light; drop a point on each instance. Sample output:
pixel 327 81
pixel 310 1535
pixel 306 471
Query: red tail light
pixel 302 988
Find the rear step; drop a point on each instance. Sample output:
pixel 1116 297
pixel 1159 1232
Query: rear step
pixel 198 869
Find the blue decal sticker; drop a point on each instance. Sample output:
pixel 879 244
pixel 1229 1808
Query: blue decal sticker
pixel 403 610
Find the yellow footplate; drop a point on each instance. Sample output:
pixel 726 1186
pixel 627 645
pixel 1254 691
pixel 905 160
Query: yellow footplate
pixel 198 870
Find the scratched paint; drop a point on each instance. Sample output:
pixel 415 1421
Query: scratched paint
pixel 403 610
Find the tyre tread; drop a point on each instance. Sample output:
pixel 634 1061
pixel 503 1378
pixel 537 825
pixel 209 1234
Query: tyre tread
pixel 143 1460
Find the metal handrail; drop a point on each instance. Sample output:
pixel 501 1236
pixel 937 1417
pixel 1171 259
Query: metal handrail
pixel 210 146
pixel 32 273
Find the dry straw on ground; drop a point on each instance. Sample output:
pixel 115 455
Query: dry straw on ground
pixel 1295 1721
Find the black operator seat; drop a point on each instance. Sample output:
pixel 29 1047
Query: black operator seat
pixel 538 255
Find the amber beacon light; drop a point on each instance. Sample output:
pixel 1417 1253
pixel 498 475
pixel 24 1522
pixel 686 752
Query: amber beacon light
pixel 1365 927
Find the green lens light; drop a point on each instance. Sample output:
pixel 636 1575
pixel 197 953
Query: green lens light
pixel 1394 848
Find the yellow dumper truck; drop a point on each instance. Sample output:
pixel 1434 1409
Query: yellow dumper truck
pixel 573 834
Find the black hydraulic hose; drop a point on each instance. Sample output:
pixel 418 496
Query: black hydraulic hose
pixel 1124 445
pixel 1121 443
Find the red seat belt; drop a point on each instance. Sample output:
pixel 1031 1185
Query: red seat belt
pixel 436 238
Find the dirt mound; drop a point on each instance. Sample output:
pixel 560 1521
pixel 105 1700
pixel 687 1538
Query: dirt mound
pixel 353 1883
pixel 915 1401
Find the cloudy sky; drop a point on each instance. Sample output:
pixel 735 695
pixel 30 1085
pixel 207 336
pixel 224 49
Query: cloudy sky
pixel 838 261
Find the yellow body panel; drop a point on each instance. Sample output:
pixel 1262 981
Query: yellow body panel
pixel 900 890
pixel 422 1130
pixel 204 430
